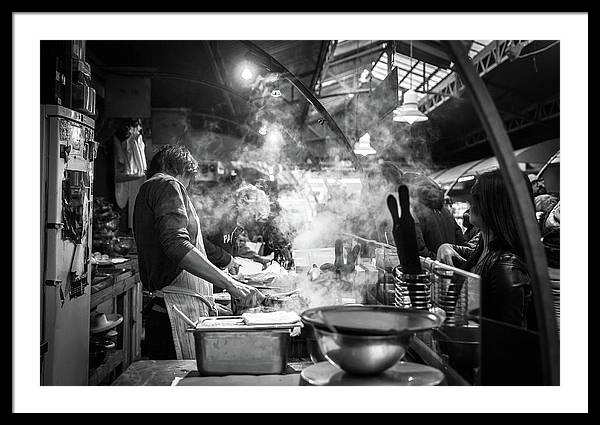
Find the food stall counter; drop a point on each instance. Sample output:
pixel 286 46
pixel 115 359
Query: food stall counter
pixel 185 372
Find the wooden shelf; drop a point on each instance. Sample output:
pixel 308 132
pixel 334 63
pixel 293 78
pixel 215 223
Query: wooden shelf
pixel 121 283
pixel 120 293
pixel 112 360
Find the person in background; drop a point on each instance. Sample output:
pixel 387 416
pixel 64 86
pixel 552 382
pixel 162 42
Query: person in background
pixel 550 223
pixel 433 220
pixel 510 348
pixel 544 203
pixel 470 229
pixel 231 234
pixel 537 185
pixel 276 232
pixel 220 258
pixel 172 259
pixel 448 204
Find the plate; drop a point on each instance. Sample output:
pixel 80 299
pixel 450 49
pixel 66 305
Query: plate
pixel 111 261
pixel 401 374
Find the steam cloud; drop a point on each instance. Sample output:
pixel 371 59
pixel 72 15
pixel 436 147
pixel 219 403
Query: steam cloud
pixel 362 211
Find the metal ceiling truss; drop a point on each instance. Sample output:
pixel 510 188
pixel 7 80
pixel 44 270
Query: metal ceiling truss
pixel 359 53
pixel 321 61
pixel 486 60
pixel 325 67
pixel 533 115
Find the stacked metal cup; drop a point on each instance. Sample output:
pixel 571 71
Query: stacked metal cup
pixel 449 295
pixel 412 290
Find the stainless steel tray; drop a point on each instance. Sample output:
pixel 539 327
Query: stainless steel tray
pixel 254 350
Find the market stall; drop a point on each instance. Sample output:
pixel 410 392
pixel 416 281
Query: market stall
pixel 264 243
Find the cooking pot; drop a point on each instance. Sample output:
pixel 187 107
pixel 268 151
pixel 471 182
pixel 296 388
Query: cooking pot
pixel 312 345
pixel 462 346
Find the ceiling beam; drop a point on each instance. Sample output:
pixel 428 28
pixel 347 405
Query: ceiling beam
pixel 217 64
pixel 536 114
pixel 316 77
pixel 359 53
pixel 315 132
pixel 425 51
pixel 325 68
pixel 490 57
pixel 426 81
pixel 340 80
pixel 409 72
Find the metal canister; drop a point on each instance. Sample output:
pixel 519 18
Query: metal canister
pixel 412 290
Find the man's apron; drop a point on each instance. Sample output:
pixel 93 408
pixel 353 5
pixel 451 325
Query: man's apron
pixel 194 297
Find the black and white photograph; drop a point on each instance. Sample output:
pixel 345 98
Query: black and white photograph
pixel 241 203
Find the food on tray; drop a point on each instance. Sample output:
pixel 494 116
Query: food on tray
pixel 275 317
pixel 221 322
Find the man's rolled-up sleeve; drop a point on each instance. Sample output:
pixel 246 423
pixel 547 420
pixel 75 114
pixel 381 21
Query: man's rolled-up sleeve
pixel 216 255
pixel 171 222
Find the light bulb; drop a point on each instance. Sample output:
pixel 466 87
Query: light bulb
pixel 247 74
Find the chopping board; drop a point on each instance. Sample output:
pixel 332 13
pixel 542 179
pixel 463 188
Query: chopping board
pixel 241 380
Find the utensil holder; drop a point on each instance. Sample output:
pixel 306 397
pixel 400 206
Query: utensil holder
pixel 449 292
pixel 412 290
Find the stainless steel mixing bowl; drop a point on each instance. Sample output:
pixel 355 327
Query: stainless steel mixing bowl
pixel 367 340
pixel 362 354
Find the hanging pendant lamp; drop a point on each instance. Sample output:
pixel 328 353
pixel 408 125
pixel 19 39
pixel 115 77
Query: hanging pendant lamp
pixel 363 146
pixel 409 111
pixel 275 92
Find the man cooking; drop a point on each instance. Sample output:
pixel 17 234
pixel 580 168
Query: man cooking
pixel 172 259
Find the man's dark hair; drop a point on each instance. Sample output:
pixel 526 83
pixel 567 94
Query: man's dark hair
pixel 175 160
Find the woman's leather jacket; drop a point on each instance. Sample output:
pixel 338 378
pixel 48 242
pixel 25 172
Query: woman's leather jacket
pixel 510 351
pixel 506 288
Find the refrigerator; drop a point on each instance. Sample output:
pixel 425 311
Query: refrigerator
pixel 67 175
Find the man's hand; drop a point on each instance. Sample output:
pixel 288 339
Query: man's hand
pixel 244 296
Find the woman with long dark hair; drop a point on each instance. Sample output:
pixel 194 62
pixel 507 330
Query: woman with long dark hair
pixel 510 347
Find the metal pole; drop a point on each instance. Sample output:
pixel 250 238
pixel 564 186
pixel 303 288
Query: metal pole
pixel 523 208
pixel 539 174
